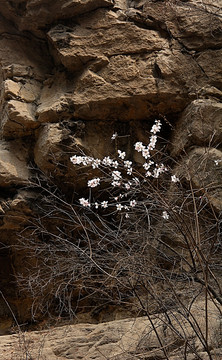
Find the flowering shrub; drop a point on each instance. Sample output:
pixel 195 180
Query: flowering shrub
pixel 123 176
pixel 138 237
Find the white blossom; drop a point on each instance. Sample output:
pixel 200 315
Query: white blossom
pixel 107 161
pixel 156 127
pixel 133 203
pixel 96 163
pixel 94 182
pixel 146 153
pixel 119 207
pixel 148 173
pixel 73 159
pixel 127 164
pixel 139 146
pixel 156 173
pixel 127 186
pixel 165 215
pixel 126 215
pixel 152 143
pixel 148 165
pixel 115 183
pixel 104 204
pixel 136 180
pixel 77 160
pixel 159 170
pixel 114 136
pixel 96 205
pixel 174 178
pixel 84 202
pixel 129 171
pixel 116 175
pixel 162 168
pixel 217 162
pixel 115 164
pixel 121 154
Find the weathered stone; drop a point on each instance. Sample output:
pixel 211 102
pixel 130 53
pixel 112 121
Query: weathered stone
pixel 25 91
pixel 47 147
pixel 141 91
pixel 102 35
pixel 13 165
pixel 18 106
pixel 126 339
pixel 17 211
pixel 200 124
pixel 196 25
pixel 73 72
pixel 210 62
pixel 21 55
pixel 203 166
pixel 18 119
pixel 35 14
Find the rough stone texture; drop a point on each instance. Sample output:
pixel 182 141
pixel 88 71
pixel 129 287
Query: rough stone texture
pixel 74 72
pixel 199 124
pixel 119 60
pixel 100 36
pixel 195 24
pixel 13 165
pixel 126 339
pixel 16 212
pixel 36 14
pixel 204 166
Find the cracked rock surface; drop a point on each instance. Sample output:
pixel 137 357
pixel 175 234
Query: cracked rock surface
pixel 72 72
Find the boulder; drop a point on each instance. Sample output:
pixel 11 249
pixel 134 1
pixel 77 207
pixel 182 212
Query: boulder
pixel 196 25
pixel 13 164
pixel 210 63
pixel 47 151
pixel 203 166
pixel 122 72
pixel 126 339
pixel 199 124
pixel 17 210
pixel 18 119
pixel 34 15
pixel 100 36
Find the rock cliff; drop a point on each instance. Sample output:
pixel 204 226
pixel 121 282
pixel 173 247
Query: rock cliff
pixel 72 73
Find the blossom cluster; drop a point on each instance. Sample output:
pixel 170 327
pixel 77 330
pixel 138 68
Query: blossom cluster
pixel 120 174
pixel 217 162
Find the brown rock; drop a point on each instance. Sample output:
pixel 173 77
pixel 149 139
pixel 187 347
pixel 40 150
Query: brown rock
pixel 126 339
pixel 47 151
pixel 196 25
pixel 17 211
pixel 26 56
pixel 204 167
pixel 199 124
pixel 139 69
pixel 18 119
pixel 13 165
pixel 102 35
pixel 35 14
pixel 210 62
pixel 27 91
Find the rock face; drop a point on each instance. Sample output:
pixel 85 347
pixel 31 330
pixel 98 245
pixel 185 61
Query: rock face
pixel 72 73
pixel 125 339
